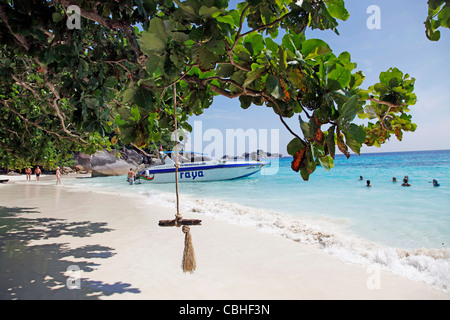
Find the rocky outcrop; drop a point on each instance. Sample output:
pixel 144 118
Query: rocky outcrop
pixel 106 163
pixel 83 162
pixel 110 163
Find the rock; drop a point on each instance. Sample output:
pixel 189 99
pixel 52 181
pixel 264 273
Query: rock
pixel 66 170
pixel 83 162
pixel 79 168
pixel 105 163
pixel 13 173
pixel 131 156
pixel 111 163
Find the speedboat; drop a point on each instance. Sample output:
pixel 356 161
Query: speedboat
pixel 198 167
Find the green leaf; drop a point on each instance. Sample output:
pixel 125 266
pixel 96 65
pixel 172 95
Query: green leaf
pixel 253 75
pixel 305 128
pixel 207 12
pixel 355 136
pixel 271 45
pixel 337 9
pixel 206 59
pixel 57 17
pixel 151 43
pixel 154 62
pixel 128 95
pixel 254 43
pixel 226 19
pixel 347 112
pixel 92 103
pixel 143 98
pixel 273 86
pixel 351 142
pixel 313 45
pixel 338 78
pixel 393 74
pixel 330 143
pixel 155 39
pixel 136 115
pixel 294 145
pixel 356 80
pixel 155 137
pixel 119 121
pixel 111 82
pixel 225 70
pixel 185 8
pixel 326 162
pixel 245 101
pixel 317 52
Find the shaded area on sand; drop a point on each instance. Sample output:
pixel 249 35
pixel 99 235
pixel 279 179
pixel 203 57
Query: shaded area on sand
pixel 41 271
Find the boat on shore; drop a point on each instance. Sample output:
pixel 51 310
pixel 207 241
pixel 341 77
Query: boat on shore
pixel 194 167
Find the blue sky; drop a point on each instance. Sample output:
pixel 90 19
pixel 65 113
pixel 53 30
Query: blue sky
pixel 401 43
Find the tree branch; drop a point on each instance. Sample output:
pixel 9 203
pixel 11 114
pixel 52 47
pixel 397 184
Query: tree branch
pixel 223 92
pixel 19 38
pixel 267 97
pixel 390 107
pixel 42 128
pixel 267 26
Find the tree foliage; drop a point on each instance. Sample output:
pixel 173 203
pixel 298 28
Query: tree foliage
pixel 438 16
pixel 112 79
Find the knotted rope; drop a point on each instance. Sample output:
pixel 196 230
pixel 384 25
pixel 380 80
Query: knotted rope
pixel 188 263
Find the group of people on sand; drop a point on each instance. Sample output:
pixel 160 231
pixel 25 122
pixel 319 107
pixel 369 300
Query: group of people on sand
pixel 38 173
pixel 404 184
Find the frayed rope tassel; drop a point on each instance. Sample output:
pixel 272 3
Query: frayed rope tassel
pixel 188 263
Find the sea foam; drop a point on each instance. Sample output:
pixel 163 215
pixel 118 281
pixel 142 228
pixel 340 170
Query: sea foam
pixel 431 266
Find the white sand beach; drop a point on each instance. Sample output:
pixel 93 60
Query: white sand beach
pixel 115 240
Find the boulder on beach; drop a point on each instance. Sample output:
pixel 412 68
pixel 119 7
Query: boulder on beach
pixel 83 162
pixel 110 163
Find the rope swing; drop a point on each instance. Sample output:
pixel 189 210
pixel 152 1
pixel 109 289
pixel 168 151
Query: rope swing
pixel 188 263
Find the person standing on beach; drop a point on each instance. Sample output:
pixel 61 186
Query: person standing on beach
pixel 131 175
pixel 38 173
pixel 58 176
pixel 28 173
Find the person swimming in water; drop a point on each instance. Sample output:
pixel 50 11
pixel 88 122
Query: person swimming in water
pixel 368 183
pixel 435 183
pixel 405 182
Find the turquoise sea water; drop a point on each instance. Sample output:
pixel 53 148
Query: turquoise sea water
pixel 403 229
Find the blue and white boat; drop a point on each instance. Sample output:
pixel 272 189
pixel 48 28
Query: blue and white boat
pixel 198 167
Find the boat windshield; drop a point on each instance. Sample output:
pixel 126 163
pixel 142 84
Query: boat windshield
pixel 187 157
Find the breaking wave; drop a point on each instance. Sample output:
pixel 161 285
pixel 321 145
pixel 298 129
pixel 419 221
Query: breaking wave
pixel 431 266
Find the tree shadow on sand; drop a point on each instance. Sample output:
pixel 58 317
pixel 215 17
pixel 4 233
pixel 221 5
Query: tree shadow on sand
pixel 30 271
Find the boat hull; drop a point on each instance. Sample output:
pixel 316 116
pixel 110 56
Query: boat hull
pixel 201 173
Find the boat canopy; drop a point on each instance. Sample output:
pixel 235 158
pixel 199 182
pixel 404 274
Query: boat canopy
pixel 187 157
